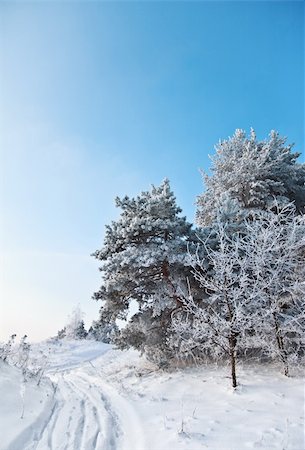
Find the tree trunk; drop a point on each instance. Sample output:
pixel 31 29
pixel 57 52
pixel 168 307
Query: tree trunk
pixel 233 360
pixel 232 343
pixel 281 347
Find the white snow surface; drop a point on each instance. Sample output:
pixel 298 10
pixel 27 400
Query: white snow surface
pixel 96 397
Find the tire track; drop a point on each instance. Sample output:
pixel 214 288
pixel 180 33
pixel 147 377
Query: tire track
pixel 109 427
pixel 123 419
pixel 93 420
pixel 85 413
pixel 63 428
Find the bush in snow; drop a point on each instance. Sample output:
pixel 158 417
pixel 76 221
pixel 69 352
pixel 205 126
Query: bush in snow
pixel 6 349
pixel 16 354
pixel 19 355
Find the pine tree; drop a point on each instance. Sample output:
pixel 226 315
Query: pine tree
pixel 103 332
pixel 75 328
pixel 145 264
pixel 80 331
pixel 256 173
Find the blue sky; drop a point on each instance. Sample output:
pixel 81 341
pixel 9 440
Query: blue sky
pixel 102 99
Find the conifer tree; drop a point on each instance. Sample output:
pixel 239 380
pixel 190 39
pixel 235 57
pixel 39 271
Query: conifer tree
pixel 75 327
pixel 145 263
pixel 256 173
pixel 103 332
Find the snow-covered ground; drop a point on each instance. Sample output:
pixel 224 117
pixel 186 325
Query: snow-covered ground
pixel 96 397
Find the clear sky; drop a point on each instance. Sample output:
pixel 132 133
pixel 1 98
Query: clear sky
pixel 102 99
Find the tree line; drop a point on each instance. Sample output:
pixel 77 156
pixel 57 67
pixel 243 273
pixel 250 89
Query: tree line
pixel 233 286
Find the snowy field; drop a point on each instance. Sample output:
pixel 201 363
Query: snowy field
pixel 95 397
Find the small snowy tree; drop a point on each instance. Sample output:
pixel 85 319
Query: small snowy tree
pixel 275 247
pixel 253 172
pixel 80 332
pixel 145 261
pixel 103 332
pixel 220 324
pixel 75 328
pixel 255 291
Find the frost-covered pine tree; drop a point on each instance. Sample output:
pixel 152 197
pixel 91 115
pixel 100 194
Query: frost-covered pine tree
pixel 253 172
pixel 103 332
pixel 145 268
pixel 80 331
pixel 75 328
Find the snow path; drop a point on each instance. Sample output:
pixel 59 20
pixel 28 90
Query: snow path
pixel 87 414
pixel 105 399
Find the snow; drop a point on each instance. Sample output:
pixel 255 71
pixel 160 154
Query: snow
pixel 96 397
pixel 24 407
pixel 69 354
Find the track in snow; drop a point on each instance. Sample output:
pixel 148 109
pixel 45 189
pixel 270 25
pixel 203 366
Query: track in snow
pixel 87 414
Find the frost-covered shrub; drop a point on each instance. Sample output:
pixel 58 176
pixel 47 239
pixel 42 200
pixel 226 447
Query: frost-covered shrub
pixel 20 355
pixel 6 348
